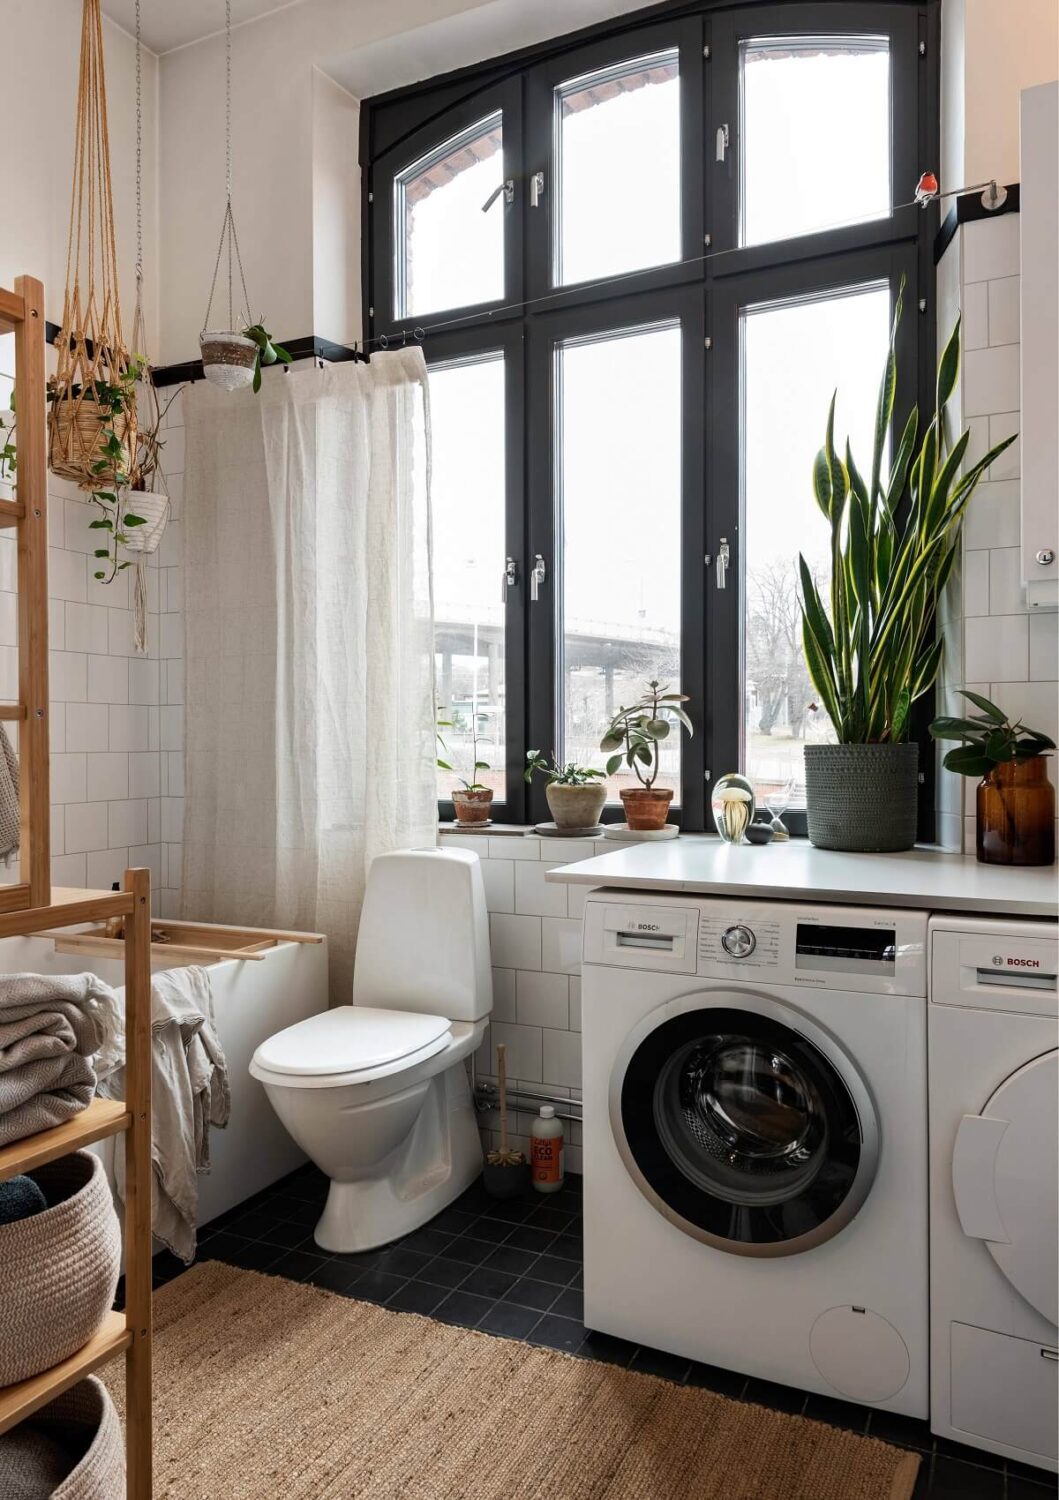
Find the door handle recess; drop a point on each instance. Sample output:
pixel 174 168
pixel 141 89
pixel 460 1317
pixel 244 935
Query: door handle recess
pixel 537 577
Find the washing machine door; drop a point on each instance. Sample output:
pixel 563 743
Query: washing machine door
pixel 1005 1178
pixel 744 1123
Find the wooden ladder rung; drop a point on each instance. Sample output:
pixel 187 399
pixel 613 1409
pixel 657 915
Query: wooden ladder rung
pixel 12 712
pixel 11 512
pixel 12 310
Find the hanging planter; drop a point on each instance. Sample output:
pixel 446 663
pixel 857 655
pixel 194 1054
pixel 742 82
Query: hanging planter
pixel 92 411
pixel 232 357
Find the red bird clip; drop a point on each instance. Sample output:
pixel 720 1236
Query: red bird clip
pixel 926 189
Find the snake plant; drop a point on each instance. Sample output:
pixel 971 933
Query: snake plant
pixel 894 538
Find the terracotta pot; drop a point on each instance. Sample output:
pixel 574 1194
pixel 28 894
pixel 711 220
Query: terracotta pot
pixel 473 807
pixel 576 806
pixel 646 808
pixel 1016 814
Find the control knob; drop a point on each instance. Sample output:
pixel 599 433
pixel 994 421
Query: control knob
pixel 738 941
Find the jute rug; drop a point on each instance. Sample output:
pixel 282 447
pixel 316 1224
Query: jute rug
pixel 269 1388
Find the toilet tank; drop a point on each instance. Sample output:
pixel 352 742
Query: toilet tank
pixel 424 935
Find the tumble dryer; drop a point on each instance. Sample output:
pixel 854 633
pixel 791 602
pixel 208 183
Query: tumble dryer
pixel 755 1190
pixel 994 1169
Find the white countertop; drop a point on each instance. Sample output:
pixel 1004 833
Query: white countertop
pixel 923 878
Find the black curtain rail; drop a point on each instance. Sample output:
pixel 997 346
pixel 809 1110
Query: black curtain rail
pixel 968 209
pixel 309 347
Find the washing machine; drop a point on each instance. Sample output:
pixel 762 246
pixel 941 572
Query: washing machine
pixel 755 1122
pixel 994 1168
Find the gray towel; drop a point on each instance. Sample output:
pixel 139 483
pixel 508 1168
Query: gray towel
pixel 9 804
pixel 58 1034
pixel 189 1093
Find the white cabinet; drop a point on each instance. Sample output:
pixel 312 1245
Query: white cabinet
pixel 1039 212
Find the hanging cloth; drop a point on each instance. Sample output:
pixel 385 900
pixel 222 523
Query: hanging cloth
pixel 10 817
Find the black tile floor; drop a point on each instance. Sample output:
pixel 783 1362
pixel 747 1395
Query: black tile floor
pixel 515 1269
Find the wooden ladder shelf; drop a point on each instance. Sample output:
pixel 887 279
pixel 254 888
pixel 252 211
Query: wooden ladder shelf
pixel 29 907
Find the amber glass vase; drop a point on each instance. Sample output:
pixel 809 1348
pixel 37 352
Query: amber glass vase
pixel 1016 814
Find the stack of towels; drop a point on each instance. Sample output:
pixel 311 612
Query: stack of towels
pixel 59 1034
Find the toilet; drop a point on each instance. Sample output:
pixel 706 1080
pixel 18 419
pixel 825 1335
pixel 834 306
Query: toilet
pixel 376 1092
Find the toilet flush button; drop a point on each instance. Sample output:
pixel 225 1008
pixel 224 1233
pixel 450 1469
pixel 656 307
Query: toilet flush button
pixel 859 1353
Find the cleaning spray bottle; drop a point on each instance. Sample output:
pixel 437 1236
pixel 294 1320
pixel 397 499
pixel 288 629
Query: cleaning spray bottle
pixel 546 1143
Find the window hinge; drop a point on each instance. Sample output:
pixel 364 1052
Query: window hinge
pixel 706 52
pixel 922 49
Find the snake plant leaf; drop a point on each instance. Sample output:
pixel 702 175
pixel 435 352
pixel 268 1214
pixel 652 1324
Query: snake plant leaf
pixel 822 482
pixel 949 368
pixel 996 715
pixel 887 391
pixel 899 717
pixel 899 469
pixel 819 623
pixel 927 668
pixel 820 674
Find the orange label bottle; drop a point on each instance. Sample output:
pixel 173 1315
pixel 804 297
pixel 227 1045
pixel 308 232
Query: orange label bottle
pixel 546 1151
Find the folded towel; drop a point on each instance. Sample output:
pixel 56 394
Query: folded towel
pixel 58 1035
pixel 189 1093
pixel 9 803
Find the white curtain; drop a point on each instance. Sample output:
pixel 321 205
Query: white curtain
pixel 310 660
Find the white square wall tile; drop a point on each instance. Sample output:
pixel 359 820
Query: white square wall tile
pixel 976 583
pixel 516 941
pixel 997 648
pixel 108 776
pixel 575 1004
pixel 504 994
pixel 561 1058
pixel 85 628
pixel 105 866
pixel 524 1050
pixel 534 895
pixel 86 827
pixel 128 727
pixel 127 823
pixel 68 676
pixel 1004 310
pixel 108 679
pixel 560 945
pixel 992 518
pixel 991 248
pixel 991 380
pixel 69 870
pixel 514 846
pixel 542 1000
pixel 1006 594
pixel 144 773
pixel 498 877
pixel 171 728
pixel 566 851
pixel 1003 425
pixel 87 726
pixel 172 819
pixel 975 310
pixel 174 763
pixel 472 844
pixel 68 778
pixel 1044 647
pixel 1035 703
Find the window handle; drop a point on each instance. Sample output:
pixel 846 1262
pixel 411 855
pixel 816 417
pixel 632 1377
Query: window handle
pixel 510 578
pixel 507 187
pixel 537 577
pixel 536 189
pixel 721 561
pixel 722 142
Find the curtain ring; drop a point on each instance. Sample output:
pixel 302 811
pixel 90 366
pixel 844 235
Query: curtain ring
pixel 384 340
pixel 418 334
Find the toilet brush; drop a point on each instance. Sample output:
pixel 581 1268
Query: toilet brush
pixel 506 1172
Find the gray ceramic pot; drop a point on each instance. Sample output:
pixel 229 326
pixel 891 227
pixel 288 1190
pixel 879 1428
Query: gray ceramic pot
pixel 862 798
pixel 576 806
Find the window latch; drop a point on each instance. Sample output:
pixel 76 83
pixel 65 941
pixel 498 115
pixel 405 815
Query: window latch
pixel 507 187
pixel 510 578
pixel 722 142
pixel 537 577
pixel 721 561
pixel 536 189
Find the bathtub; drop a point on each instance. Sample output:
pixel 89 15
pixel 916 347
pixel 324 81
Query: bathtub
pixel 251 1000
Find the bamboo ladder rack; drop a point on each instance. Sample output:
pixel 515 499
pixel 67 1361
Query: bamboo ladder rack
pixel 30 906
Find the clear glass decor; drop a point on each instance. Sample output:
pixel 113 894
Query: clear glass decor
pixel 732 803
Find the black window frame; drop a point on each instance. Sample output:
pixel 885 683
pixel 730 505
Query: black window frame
pixel 706 288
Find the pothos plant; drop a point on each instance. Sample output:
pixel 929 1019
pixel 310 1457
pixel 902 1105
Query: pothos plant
pixel 268 351
pixel 634 734
pixel 116 519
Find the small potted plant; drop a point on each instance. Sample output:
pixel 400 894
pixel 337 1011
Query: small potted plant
pixel 473 800
pixel 1015 799
pixel 233 360
pixel 575 793
pixel 633 737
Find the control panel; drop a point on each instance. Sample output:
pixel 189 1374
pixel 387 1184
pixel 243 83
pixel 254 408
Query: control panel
pixel 832 947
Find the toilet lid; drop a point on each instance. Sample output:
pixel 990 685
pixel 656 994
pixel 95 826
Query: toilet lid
pixel 349 1039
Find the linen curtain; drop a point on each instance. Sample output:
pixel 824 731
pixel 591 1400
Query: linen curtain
pixel 310 658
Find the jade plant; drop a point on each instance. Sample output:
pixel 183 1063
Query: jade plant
pixel 635 734
pixel 268 351
pixel 987 739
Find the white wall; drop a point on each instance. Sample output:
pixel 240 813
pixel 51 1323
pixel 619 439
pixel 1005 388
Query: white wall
pixel 991 49
pixel 105 701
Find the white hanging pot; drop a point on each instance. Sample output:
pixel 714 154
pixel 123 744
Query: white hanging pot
pixel 155 511
pixel 228 359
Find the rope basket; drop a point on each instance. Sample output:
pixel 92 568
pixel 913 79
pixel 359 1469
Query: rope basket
pixel 78 427
pixel 70 1450
pixel 58 1268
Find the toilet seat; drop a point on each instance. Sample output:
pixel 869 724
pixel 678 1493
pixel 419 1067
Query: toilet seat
pixel 348 1041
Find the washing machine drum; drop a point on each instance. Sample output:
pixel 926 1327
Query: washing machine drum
pixel 748 1128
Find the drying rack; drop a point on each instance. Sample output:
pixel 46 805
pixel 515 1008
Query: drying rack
pixel 31 907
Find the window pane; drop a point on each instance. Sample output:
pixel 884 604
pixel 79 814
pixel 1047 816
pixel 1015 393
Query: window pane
pixel 815 132
pixel 617 149
pixel 449 253
pixel 618 487
pixel 794 357
pixel 467 489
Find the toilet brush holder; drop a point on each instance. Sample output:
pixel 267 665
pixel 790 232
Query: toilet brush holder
pixel 506 1173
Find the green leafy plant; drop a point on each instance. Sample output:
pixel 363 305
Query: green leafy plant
pixel 444 764
pixel 987 739
pixel 8 450
pixel 268 351
pixel 634 734
pixel 556 775
pixel 894 539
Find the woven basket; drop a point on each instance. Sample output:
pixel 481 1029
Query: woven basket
pixel 58 1269
pixel 862 798
pixel 75 441
pixel 71 1449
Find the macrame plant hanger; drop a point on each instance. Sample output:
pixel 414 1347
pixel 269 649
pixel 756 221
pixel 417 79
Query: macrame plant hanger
pixel 229 358
pixel 92 416
pixel 150 498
